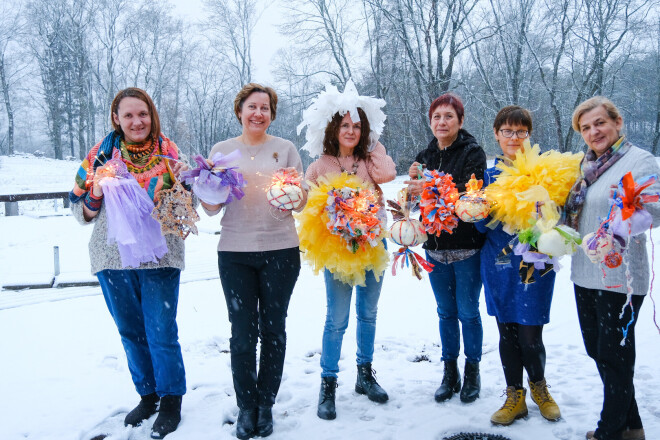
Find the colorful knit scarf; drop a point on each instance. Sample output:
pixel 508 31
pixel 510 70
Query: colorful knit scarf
pixel 591 169
pixel 144 162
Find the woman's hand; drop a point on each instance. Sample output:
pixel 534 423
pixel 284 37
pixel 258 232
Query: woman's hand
pixel 415 170
pixel 177 167
pixel 415 187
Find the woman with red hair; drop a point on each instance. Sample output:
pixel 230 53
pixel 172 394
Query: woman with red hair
pixel 455 279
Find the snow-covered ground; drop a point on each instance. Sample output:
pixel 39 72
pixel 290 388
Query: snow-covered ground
pixel 63 371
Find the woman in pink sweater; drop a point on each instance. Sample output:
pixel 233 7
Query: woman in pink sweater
pixel 351 146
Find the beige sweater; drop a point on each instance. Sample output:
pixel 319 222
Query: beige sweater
pixel 252 224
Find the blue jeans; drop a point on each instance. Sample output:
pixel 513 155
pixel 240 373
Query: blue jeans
pixel 456 287
pixel 339 306
pixel 143 304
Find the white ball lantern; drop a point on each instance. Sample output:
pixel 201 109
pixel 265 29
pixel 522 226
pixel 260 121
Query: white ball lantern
pixel 472 208
pixel 285 197
pixel 408 232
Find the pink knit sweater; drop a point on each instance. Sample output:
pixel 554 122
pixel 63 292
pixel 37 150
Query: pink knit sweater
pixel 378 168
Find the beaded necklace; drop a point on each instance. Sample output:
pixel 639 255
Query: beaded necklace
pixel 140 157
pixel 343 170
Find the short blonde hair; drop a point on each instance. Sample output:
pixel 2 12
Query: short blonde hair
pixel 591 104
pixel 249 89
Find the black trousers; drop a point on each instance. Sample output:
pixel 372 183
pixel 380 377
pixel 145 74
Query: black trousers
pixel 257 288
pixel 521 346
pixel 602 331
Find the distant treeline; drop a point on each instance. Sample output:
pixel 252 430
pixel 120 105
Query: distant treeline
pixel 62 61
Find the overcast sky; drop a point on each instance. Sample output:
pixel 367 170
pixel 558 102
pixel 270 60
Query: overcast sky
pixel 266 39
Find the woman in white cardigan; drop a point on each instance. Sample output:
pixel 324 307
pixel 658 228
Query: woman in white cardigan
pixel 599 302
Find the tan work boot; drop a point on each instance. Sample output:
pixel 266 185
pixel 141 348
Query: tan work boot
pixel 541 396
pixel 514 407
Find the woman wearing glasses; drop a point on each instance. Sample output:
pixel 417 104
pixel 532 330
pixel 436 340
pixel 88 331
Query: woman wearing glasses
pixel 521 309
pixel 455 280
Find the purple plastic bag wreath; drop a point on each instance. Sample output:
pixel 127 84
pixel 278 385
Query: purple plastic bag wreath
pixel 130 225
pixel 216 184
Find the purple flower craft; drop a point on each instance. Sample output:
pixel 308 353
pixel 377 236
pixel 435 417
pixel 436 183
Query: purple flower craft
pixel 216 184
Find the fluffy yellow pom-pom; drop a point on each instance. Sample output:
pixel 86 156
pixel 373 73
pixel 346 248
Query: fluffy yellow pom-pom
pixel 323 249
pixel 553 171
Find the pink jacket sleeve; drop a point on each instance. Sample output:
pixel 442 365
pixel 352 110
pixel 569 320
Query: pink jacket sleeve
pixel 380 166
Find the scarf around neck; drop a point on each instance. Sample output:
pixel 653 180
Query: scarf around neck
pixel 591 169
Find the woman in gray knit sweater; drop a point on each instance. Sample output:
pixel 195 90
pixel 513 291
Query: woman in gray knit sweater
pixel 141 293
pixel 608 159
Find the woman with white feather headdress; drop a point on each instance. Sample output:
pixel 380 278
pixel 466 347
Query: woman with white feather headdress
pixel 342 227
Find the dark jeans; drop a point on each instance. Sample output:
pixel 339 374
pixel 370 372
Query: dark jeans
pixel 257 288
pixel 521 346
pixel 457 287
pixel 598 312
pixel 143 304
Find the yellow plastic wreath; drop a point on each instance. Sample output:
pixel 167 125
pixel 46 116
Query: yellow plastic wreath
pixel 510 196
pixel 323 249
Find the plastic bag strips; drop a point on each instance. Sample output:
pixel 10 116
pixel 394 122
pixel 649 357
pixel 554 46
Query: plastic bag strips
pixel 531 175
pixel 437 202
pixel 219 183
pixel 130 225
pixel 324 249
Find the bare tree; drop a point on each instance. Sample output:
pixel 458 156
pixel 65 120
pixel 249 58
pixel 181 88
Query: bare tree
pixel 548 49
pixel 230 26
pixel 11 27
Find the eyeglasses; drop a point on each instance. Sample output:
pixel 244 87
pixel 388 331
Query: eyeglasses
pixel 520 134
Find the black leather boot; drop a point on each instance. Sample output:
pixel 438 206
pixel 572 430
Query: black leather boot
pixel 169 416
pixel 451 382
pixel 471 382
pixel 366 384
pixel 264 421
pixel 145 409
pixel 246 424
pixel 326 409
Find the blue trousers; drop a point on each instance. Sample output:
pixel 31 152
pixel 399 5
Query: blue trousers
pixel 143 304
pixel 457 287
pixel 257 288
pixel 339 306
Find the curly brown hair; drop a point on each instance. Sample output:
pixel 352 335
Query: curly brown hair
pixel 331 143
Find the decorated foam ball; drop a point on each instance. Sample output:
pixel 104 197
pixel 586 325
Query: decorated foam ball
pixel 472 208
pixel 613 259
pixel 554 244
pixel 285 197
pixel 408 232
pixel 597 247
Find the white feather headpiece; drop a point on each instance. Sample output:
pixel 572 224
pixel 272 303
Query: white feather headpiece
pixel 329 102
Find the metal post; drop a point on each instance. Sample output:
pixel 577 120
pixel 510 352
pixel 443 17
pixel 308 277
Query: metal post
pixel 11 208
pixel 56 259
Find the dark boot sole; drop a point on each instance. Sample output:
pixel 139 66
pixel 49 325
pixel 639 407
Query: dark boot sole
pixel 326 416
pixel 264 433
pixel 444 398
pixel 360 390
pixel 469 400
